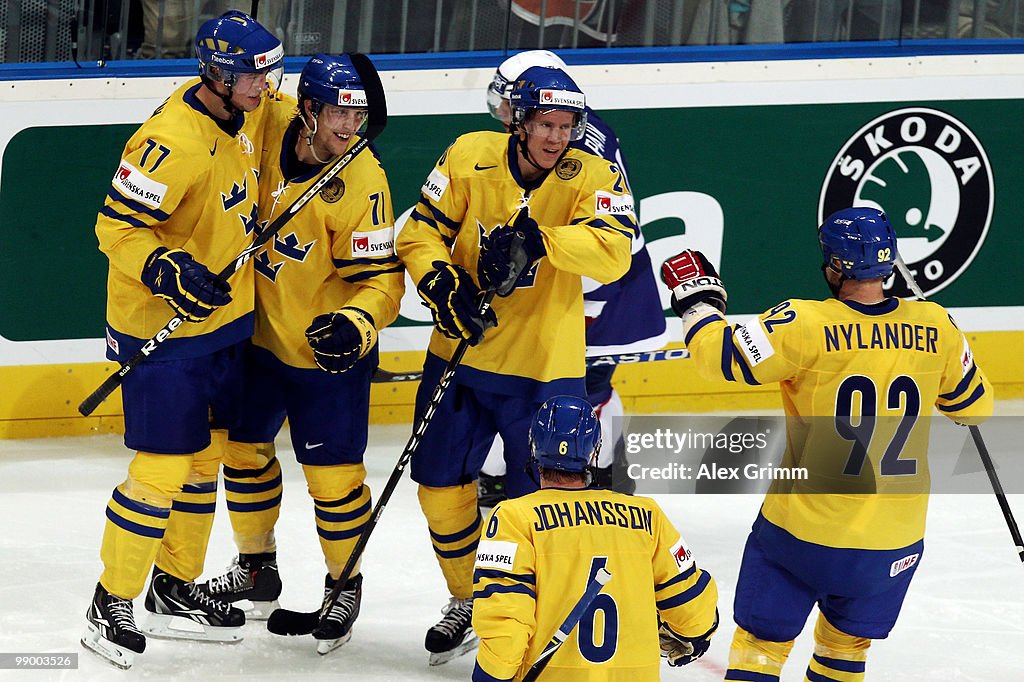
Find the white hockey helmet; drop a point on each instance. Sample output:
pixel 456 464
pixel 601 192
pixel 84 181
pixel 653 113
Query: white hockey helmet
pixel 510 69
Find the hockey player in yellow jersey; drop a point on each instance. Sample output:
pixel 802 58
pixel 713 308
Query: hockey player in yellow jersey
pixel 857 373
pixel 459 240
pixel 181 205
pixel 324 288
pixel 539 552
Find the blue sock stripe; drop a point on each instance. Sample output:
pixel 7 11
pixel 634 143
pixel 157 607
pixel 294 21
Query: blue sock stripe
pixel 341 517
pixel 132 527
pixel 233 486
pixel 841 664
pixel 737 675
pixel 254 506
pixel 458 535
pixel 140 507
pixel 456 553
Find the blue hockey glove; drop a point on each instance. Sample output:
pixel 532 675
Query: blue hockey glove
pixel 454 300
pixel 187 285
pixel 340 339
pixel 682 650
pixel 693 279
pixel 505 260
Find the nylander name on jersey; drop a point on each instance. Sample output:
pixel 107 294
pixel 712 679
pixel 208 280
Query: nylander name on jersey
pixel 592 513
pixel 880 336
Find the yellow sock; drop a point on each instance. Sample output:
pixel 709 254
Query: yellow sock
pixel 183 550
pixel 754 658
pixel 837 655
pixel 252 489
pixel 342 504
pixel 137 517
pixel 454 522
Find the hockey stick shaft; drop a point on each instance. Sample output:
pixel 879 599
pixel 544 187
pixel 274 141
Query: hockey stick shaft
pixel 979 442
pixel 594 587
pixel 378 120
pixel 382 376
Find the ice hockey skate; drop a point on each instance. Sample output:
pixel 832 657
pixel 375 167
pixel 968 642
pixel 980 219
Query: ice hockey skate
pixel 111 631
pixel 490 490
pixel 251 582
pixel 453 635
pixel 336 629
pixel 180 610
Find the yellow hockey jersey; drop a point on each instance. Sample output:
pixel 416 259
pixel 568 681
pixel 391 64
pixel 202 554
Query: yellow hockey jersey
pixel 186 180
pixel 337 251
pixel 858 382
pixel 534 561
pixel 587 221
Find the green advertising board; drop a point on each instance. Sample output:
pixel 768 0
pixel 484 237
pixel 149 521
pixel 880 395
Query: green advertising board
pixel 754 180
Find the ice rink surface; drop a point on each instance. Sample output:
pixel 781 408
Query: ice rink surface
pixel 963 618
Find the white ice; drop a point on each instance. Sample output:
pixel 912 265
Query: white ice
pixel 963 618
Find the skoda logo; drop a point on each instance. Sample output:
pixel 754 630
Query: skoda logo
pixel 930 175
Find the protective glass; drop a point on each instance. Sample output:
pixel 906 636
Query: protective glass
pixel 335 116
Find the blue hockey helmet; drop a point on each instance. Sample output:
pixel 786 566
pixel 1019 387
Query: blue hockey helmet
pixel 510 69
pixel 234 43
pixel 545 88
pixel 565 435
pixel 331 79
pixel 858 243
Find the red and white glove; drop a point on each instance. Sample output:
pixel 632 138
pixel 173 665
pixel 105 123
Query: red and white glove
pixel 693 279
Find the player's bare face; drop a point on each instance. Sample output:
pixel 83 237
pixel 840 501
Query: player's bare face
pixel 547 135
pixel 247 91
pixel 336 129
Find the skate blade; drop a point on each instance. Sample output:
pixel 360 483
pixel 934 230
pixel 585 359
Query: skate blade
pixel 326 646
pixel 258 610
pixel 164 626
pixel 112 653
pixel 445 656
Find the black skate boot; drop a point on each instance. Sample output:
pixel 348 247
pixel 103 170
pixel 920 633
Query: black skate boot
pixel 181 610
pixel 615 476
pixel 251 579
pixel 453 635
pixel 490 490
pixel 337 628
pixel 111 630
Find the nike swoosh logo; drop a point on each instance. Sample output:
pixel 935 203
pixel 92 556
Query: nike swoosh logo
pixel 479 167
pixel 311 446
pixel 214 150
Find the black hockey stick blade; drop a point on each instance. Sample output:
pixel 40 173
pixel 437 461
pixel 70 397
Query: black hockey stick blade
pixel 377 119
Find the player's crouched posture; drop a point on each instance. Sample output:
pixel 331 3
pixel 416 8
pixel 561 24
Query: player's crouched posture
pixel 458 242
pixel 541 550
pixel 323 290
pixel 854 384
pixel 183 198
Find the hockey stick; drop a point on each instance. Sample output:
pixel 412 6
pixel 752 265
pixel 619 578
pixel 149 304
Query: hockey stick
pixel 287 622
pixel 979 442
pixel 382 376
pixel 600 579
pixel 377 120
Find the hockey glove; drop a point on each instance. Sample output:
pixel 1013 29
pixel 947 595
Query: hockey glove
pixel 454 300
pixel 187 285
pixel 682 650
pixel 340 339
pixel 505 260
pixel 693 279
